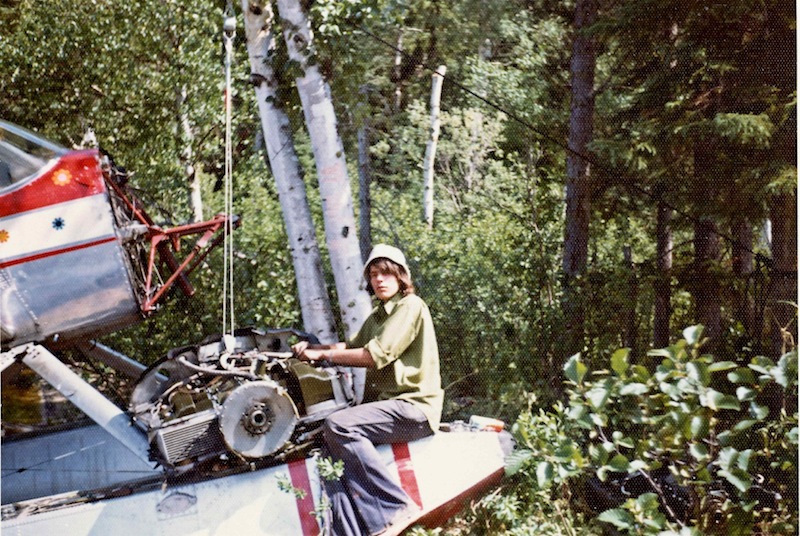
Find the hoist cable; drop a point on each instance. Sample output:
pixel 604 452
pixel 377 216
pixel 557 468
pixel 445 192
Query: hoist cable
pixel 228 320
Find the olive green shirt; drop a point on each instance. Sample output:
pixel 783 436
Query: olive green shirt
pixel 399 336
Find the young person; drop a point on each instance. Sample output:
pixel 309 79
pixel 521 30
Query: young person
pixel 402 398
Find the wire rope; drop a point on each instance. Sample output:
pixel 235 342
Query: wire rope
pixel 228 319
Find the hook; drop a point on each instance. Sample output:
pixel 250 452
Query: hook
pixel 229 24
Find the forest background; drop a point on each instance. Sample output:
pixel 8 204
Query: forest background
pixel 607 174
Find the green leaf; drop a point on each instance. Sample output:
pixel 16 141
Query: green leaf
pixel 670 390
pixel 640 373
pixel 599 419
pixel 762 364
pixel 619 463
pixel 698 371
pixel 693 334
pixel 633 389
pixel 622 441
pixel 647 501
pixel 687 387
pixel 740 479
pixel 637 465
pixel 619 361
pixel 716 401
pixel 699 426
pixel 598 396
pixel 544 474
pixel 515 461
pixel 741 426
pixel 575 370
pixel 599 456
pixel 618 517
pixel 745 393
pixel 565 451
pixel 660 352
pixel 786 371
pixel 758 411
pixel 721 365
pixel 699 451
pixel 742 375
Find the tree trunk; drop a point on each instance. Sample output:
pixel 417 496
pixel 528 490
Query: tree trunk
pixel 364 190
pixel 396 74
pixel 662 287
pixel 631 333
pixel 341 234
pixel 782 313
pixel 430 150
pixel 581 125
pixel 705 284
pixel 314 301
pixel 742 266
pixel 187 158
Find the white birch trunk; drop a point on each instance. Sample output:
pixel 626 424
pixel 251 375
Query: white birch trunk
pixel 314 301
pixel 398 60
pixel 341 233
pixel 430 151
pixel 187 157
pixel 334 184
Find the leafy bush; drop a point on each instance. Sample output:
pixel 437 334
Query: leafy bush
pixel 694 446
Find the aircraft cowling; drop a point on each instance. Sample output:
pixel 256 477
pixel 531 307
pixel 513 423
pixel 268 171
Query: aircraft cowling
pixel 242 397
pixel 79 255
pixel 63 268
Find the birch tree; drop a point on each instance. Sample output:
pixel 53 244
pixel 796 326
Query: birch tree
pixel 314 301
pixel 186 134
pixel 341 233
pixel 430 150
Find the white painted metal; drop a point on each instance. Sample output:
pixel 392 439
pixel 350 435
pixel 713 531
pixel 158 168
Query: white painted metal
pixel 444 467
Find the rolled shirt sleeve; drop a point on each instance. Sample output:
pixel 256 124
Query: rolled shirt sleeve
pixel 396 333
pixel 399 336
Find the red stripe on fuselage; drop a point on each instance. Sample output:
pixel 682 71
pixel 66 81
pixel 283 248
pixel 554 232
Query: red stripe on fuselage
pixel 405 468
pixel 53 253
pixel 75 175
pixel 298 473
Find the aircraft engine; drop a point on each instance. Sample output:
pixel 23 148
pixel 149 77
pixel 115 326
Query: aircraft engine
pixel 235 397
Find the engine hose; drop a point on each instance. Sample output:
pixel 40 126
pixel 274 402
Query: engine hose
pixel 216 372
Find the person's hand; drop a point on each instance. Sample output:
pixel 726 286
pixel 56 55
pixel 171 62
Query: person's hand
pixel 307 352
pixel 312 355
pixel 299 348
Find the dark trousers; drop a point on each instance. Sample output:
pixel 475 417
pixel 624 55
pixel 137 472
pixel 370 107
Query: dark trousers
pixel 366 499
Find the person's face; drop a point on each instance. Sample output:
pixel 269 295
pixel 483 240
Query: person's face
pixel 384 284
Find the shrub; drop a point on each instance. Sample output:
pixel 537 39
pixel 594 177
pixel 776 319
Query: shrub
pixel 694 445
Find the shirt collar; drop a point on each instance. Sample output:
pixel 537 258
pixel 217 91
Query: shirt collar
pixel 390 305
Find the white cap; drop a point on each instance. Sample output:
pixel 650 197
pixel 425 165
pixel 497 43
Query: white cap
pixel 385 251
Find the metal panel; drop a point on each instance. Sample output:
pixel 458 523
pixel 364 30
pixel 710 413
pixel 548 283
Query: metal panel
pixel 82 458
pixel 75 293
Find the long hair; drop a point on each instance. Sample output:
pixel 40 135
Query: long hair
pixel 386 266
